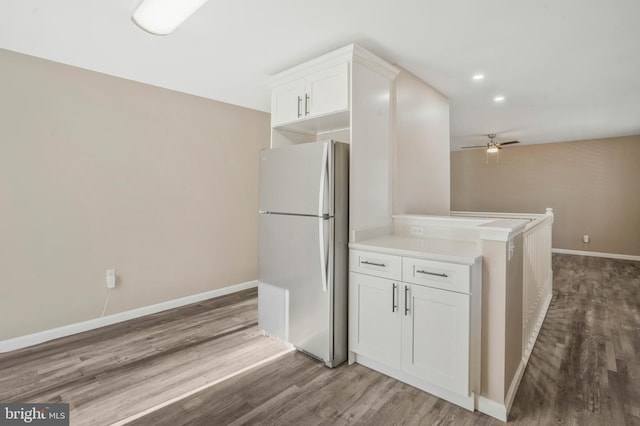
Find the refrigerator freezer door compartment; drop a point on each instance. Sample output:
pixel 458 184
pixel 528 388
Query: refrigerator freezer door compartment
pixel 296 179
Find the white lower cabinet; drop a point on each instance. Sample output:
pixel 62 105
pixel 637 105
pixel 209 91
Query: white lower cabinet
pixel 435 337
pixel 375 329
pixel 425 335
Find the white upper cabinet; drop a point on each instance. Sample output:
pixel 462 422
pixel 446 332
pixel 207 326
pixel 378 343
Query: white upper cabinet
pixel 345 95
pixel 328 91
pixel 287 102
pixel 319 93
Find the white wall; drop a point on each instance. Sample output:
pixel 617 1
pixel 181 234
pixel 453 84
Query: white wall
pixel 421 180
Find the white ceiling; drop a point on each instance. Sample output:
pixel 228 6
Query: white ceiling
pixel 568 69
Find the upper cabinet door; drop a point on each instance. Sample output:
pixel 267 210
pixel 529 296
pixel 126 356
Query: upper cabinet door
pixel 328 91
pixel 287 102
pixel 317 94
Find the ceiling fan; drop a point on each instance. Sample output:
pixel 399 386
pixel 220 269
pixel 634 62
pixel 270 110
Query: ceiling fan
pixel 492 146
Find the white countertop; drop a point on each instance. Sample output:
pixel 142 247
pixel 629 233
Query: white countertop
pixel 446 250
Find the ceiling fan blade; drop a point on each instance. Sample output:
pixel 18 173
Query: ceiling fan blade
pixel 506 143
pixel 475 146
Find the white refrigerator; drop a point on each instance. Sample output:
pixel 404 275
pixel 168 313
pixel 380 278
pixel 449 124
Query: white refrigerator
pixel 302 274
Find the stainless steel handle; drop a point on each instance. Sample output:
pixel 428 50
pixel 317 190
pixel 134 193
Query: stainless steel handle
pixel 406 300
pixel 432 273
pixel 323 248
pixel 393 298
pixel 366 262
pixel 324 172
pixel 299 105
pixel 306 104
pixel 323 256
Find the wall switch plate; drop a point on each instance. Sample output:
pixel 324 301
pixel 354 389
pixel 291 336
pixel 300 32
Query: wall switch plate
pixel 417 230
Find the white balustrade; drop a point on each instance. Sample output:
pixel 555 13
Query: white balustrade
pixel 537 278
pixel 537 272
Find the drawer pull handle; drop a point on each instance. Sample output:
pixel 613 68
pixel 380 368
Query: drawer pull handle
pixel 432 273
pixel 366 262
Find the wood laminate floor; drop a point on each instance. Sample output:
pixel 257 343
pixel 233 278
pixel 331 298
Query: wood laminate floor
pixel 584 369
pixel 114 372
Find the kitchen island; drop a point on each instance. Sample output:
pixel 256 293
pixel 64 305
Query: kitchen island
pixel 437 302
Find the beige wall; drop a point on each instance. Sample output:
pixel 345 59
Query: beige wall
pixel 494 296
pixel 593 187
pixel 501 317
pixel 513 311
pixel 98 172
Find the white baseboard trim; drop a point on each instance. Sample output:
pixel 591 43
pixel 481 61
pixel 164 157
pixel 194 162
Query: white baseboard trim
pixel 517 377
pixel 515 384
pixel 492 408
pixel 596 254
pixel 536 330
pixel 68 330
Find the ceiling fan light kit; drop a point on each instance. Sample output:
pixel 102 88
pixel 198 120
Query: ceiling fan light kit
pixel 161 17
pixel 492 146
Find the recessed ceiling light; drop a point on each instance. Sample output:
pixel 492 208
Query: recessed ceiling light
pixel 478 77
pixel 499 98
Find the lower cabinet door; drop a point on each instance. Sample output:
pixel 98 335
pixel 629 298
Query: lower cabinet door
pixel 375 322
pixel 435 331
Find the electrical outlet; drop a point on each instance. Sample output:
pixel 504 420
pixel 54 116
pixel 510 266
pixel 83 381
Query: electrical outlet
pixel 585 239
pixel 417 230
pixel 111 278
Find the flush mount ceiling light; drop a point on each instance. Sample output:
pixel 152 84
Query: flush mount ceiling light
pixel 161 17
pixel 478 77
pixel 498 98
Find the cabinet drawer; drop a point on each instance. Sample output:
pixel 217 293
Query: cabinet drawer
pixel 447 276
pixel 377 264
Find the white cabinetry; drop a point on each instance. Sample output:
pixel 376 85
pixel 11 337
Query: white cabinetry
pixel 420 324
pixel 435 329
pixel 345 95
pixel 322 92
pixel 375 329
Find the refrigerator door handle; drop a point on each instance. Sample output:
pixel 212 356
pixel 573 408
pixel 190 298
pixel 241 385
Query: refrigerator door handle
pixel 323 180
pixel 323 256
